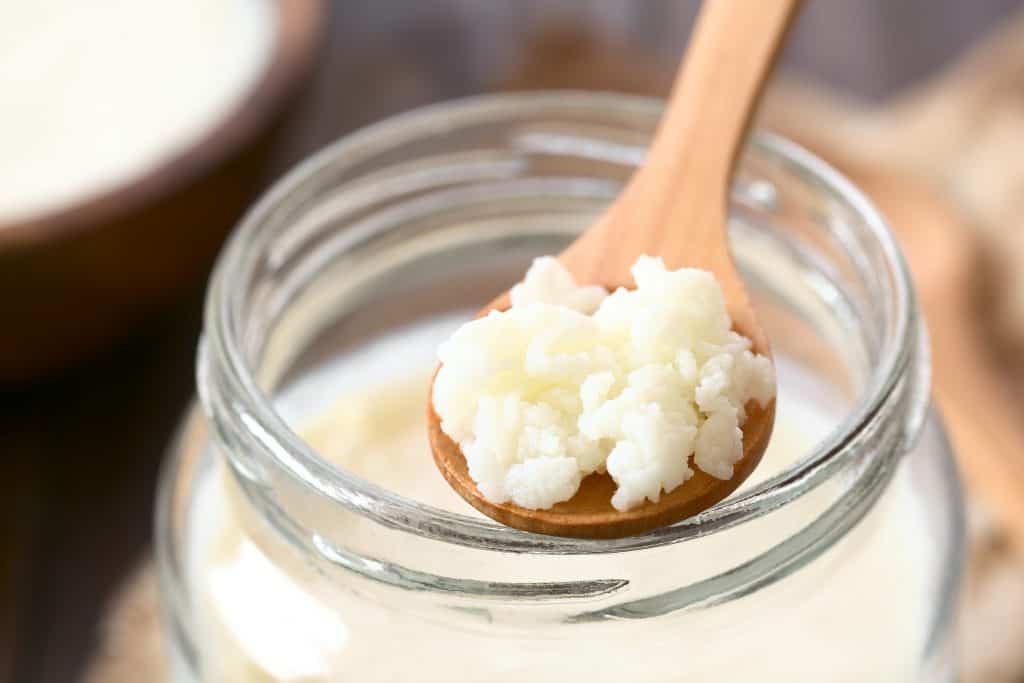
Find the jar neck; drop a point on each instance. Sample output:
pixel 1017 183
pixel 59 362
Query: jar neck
pixel 270 262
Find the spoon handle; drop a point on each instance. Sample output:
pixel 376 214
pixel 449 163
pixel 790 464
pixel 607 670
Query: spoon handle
pixel 731 53
pixel 675 205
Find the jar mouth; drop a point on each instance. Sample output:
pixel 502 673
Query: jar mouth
pixel 239 409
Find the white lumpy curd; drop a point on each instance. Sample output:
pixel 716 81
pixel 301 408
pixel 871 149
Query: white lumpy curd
pixel 572 380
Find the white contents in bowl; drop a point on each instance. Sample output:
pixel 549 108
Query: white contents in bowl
pixel 98 93
pixel 571 380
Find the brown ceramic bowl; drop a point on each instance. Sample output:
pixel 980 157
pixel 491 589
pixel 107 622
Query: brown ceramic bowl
pixel 75 279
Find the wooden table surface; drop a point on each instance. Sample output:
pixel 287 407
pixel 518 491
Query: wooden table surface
pixel 80 453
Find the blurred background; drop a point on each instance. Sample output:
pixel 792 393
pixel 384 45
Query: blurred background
pixel 134 134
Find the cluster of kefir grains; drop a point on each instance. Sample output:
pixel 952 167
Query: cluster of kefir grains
pixel 572 380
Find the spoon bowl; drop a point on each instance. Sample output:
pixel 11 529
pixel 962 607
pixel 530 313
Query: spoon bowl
pixel 589 513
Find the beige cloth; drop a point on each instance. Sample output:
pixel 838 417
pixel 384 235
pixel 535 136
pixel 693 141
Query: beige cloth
pixel 131 646
pixel 992 613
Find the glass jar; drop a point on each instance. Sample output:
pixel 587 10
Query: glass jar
pixel 285 554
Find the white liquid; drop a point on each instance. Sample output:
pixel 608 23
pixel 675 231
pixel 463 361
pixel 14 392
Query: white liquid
pixel 858 613
pixel 96 93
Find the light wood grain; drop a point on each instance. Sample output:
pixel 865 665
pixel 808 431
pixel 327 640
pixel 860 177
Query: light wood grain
pixel 674 207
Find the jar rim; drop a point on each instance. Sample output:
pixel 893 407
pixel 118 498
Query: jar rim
pixel 251 410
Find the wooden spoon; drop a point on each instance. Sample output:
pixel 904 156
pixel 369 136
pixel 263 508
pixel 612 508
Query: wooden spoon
pixel 674 207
